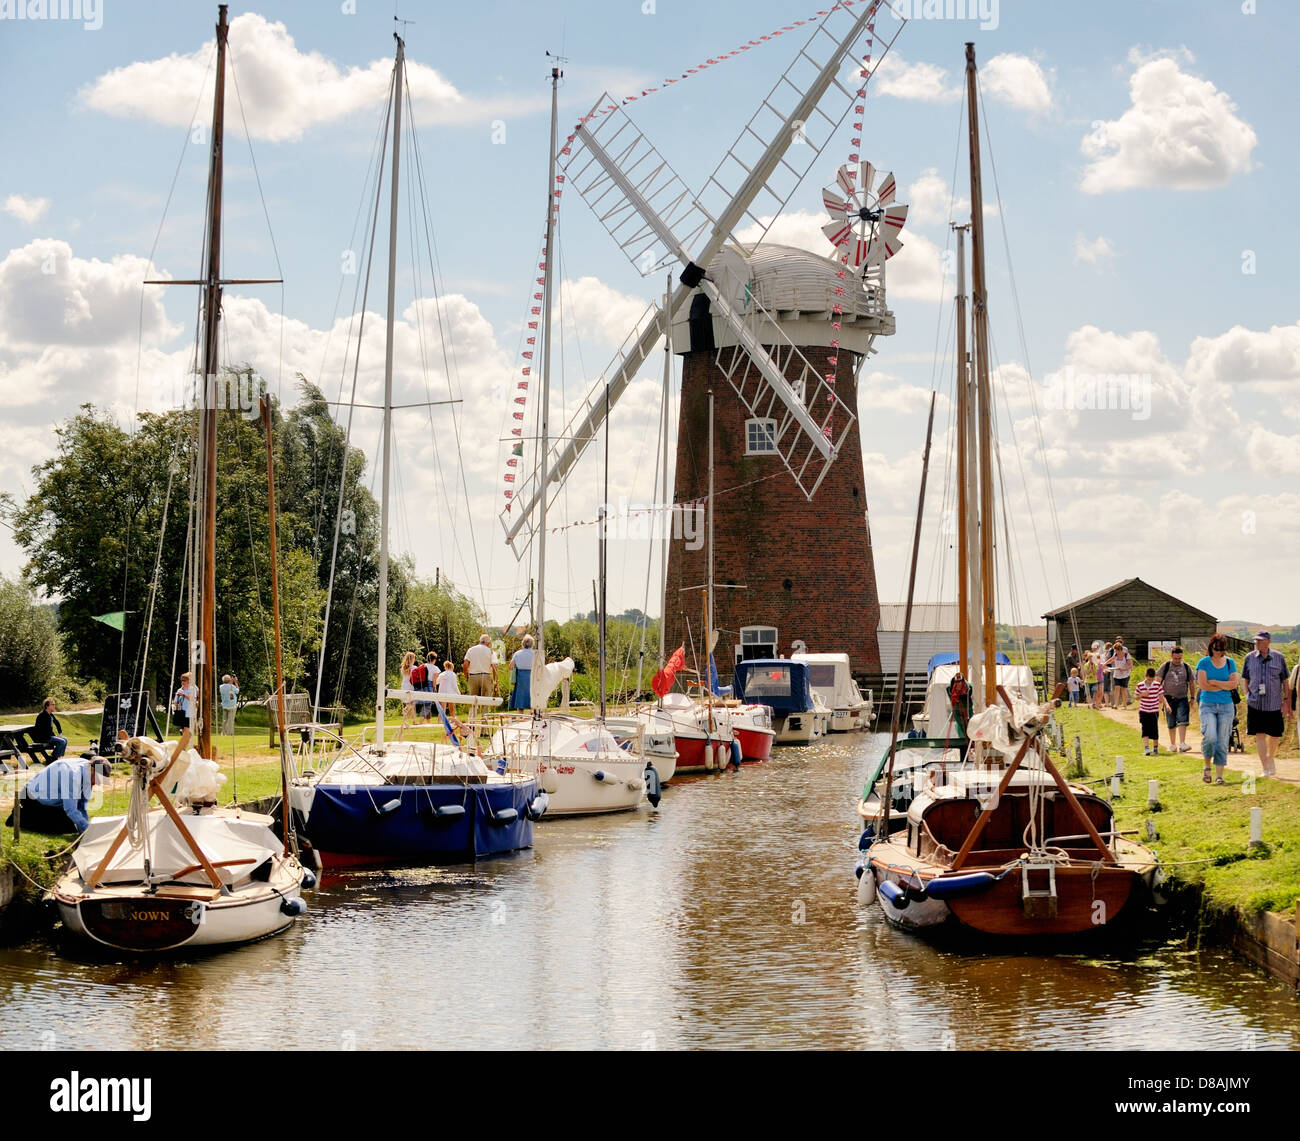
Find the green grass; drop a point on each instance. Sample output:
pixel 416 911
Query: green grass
pixel 1204 829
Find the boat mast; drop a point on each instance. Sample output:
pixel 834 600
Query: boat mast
pixel 543 415
pixel 665 501
pixel 963 538
pixel 203 652
pixel 979 309
pixel 603 515
pixel 275 612
pixel 382 667
pixel 708 582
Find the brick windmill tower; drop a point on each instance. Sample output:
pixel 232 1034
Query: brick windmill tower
pixel 778 333
pixel 792 560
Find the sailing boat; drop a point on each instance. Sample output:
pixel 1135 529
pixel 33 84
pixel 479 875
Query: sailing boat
pixel 998 842
pixel 586 765
pixel 409 802
pixel 160 879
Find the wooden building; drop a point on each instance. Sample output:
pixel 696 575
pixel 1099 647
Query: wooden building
pixel 1133 610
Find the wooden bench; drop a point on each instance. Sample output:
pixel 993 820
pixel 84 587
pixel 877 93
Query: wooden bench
pixel 16 743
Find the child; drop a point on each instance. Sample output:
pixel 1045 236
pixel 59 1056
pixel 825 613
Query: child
pixel 1090 678
pixel 1151 699
pixel 1075 685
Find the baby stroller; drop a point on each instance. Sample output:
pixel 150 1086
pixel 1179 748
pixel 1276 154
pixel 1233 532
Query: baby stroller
pixel 1235 744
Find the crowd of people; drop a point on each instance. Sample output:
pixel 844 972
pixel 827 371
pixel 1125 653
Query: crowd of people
pixel 479 669
pixel 1099 676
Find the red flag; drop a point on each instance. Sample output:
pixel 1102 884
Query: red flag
pixel 662 682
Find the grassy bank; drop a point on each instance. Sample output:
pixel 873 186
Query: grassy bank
pixel 1204 829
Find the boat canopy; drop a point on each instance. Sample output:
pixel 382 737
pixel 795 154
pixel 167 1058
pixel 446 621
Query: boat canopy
pixel 780 683
pixel 948 657
pixel 1018 681
pixel 831 679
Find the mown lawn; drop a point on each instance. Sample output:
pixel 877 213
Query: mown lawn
pixel 1203 829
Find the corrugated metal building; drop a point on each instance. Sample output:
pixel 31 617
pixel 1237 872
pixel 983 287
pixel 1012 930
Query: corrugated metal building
pixel 934 630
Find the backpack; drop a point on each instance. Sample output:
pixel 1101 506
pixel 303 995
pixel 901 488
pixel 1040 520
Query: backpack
pixel 419 675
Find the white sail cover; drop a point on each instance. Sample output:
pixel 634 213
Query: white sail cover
pixel 546 679
pixel 1018 681
pixel 221 837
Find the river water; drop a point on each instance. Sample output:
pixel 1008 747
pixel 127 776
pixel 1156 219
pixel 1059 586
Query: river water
pixel 727 918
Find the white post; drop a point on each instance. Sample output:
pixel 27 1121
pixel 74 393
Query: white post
pixel 1256 827
pixel 1119 768
pixel 1153 795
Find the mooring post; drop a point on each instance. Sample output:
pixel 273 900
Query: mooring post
pixel 1256 827
pixel 1153 795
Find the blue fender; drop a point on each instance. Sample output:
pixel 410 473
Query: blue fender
pixel 538 806
pixel 308 879
pixel 736 755
pixel 948 887
pixel 293 907
pixel 505 816
pixel 653 790
pixel 867 838
pixel 894 893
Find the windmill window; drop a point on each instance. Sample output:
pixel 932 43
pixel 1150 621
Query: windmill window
pixel 760 437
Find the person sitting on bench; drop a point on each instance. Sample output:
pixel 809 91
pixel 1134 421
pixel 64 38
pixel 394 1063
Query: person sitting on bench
pixel 55 799
pixel 48 731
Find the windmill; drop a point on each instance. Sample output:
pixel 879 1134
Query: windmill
pixel 739 320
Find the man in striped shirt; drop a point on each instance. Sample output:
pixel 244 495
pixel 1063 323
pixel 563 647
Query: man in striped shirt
pixel 1151 699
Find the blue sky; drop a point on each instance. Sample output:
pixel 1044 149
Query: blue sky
pixel 1143 152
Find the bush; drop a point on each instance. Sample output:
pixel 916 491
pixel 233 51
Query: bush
pixel 31 660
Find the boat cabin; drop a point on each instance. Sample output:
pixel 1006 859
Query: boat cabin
pixel 781 683
pixel 1018 681
pixel 831 680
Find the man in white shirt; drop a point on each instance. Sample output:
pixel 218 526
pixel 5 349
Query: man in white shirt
pixel 480 669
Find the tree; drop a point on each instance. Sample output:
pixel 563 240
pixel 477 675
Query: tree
pixel 30 662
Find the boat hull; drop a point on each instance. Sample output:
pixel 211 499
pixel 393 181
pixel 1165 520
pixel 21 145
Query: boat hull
pixel 140 923
pixel 801 728
pixel 352 825
pixel 851 720
pixel 578 787
pixel 755 744
pixel 702 755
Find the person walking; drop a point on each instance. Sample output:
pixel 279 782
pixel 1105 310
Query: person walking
pixel 1122 665
pixel 430 680
pixel 1179 688
pixel 229 691
pixel 48 731
pixel 1216 681
pixel 1268 689
pixel 1074 683
pixel 183 701
pixel 408 707
pixel 1151 698
pixel 1090 675
pixel 1107 671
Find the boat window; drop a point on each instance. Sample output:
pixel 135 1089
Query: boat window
pixel 822 674
pixel 760 437
pixel 770 681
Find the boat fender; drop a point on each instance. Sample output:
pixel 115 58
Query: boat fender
pixel 736 755
pixel 867 889
pixel 550 782
pixel 537 808
pixel 293 907
pixel 449 812
pixel 858 869
pixel 389 806
pixel 600 774
pixel 722 755
pixel 505 816
pixel 653 787
pixel 948 887
pixel 867 838
pixel 917 894
pixel 308 879
pixel 894 894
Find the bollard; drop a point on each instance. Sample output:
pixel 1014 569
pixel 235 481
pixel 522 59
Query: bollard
pixel 1119 768
pixel 1153 795
pixel 1256 827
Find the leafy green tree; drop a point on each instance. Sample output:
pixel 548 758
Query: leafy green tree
pixel 30 660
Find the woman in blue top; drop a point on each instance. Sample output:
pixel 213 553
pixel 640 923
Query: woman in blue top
pixel 521 670
pixel 1216 679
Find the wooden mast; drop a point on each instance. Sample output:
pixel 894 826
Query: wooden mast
pixel 979 311
pixel 963 536
pixel 204 652
pixel 382 665
pixel 275 613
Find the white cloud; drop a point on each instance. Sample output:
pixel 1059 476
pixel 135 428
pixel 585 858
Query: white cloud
pixel 802 228
pixel 1017 81
pixel 1179 132
pixel 924 82
pixel 284 91
pixel 931 200
pixel 1095 251
pixel 1244 355
pixel 916 271
pixel 598 310
pixel 28 210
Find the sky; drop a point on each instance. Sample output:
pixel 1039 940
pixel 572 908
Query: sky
pixel 1139 175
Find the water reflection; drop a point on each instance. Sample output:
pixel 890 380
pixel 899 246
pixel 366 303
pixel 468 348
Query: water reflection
pixel 726 919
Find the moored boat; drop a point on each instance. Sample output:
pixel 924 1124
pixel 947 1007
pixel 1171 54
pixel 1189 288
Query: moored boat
pixel 799 717
pixel 831 679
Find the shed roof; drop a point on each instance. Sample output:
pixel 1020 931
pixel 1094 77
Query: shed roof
pixel 940 617
pixel 1080 603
